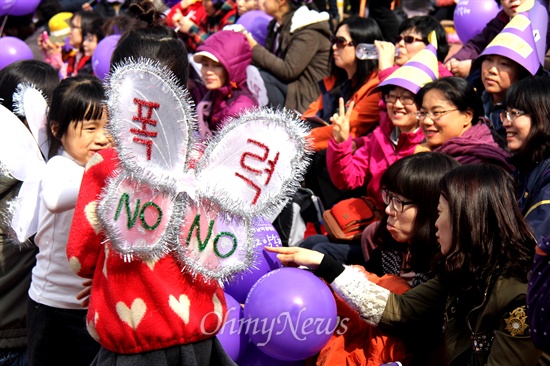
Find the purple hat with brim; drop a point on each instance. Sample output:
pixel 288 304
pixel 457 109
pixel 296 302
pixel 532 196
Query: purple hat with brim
pixel 421 69
pixel 515 42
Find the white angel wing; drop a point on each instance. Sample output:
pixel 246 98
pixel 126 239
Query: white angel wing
pixel 254 163
pixel 151 121
pixel 22 159
pixel 19 153
pixel 30 102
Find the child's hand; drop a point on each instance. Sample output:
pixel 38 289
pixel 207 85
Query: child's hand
pixel 386 54
pixel 340 121
pixel 84 295
pixel 296 256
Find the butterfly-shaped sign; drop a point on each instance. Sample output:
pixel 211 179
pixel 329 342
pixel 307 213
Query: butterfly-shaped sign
pixel 197 199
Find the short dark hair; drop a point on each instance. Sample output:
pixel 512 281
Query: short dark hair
pixel 150 38
pixel 489 233
pixel 38 73
pixel 74 100
pixel 457 91
pixel 416 177
pixel 424 25
pixel 532 95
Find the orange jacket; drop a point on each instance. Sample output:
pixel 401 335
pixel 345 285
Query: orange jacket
pixel 364 116
pixel 356 342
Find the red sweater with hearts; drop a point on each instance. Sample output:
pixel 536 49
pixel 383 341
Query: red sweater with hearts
pixel 136 306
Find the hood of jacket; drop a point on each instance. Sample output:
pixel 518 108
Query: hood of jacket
pixel 233 52
pixel 304 17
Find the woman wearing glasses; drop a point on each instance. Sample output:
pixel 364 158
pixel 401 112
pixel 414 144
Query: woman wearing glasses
pixel 403 243
pixel 351 79
pixel 451 117
pixel 476 303
pixel 397 136
pixel 526 120
pixel 412 38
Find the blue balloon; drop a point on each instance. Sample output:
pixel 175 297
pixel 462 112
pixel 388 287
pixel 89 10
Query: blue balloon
pixel 23 7
pixel 232 336
pixel 13 49
pixel 290 314
pixel 256 21
pixel 265 235
pixel 101 59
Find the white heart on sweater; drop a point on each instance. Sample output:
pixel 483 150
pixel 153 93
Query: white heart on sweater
pixel 91 327
pixel 96 159
pixel 133 315
pixel 91 215
pixel 181 306
pixel 105 262
pixel 218 306
pixel 75 265
pixel 151 263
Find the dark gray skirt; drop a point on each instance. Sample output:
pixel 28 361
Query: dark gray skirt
pixel 204 353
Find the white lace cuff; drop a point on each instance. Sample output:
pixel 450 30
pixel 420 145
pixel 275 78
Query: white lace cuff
pixel 360 293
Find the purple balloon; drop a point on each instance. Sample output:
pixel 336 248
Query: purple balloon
pixel 5 6
pixel 23 7
pixel 252 356
pixel 471 16
pixel 256 21
pixel 233 340
pixel 290 314
pixel 101 59
pixel 265 235
pixel 13 49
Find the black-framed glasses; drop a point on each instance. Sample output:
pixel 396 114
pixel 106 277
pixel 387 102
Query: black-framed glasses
pixel 434 116
pixel 511 116
pixel 341 42
pixel 397 204
pixel 405 99
pixel 408 39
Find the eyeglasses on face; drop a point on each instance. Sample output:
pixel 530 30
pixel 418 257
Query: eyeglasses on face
pixel 511 116
pixel 434 116
pixel 397 204
pixel 405 99
pixel 408 39
pixel 341 42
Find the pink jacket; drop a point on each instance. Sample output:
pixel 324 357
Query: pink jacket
pixel 351 170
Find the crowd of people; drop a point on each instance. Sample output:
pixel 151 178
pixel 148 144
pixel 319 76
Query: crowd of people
pixel 451 152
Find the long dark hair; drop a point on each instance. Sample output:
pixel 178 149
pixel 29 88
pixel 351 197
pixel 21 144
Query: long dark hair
pixel 490 236
pixel 149 37
pixel 76 99
pixel 361 30
pixel 416 177
pixel 532 95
